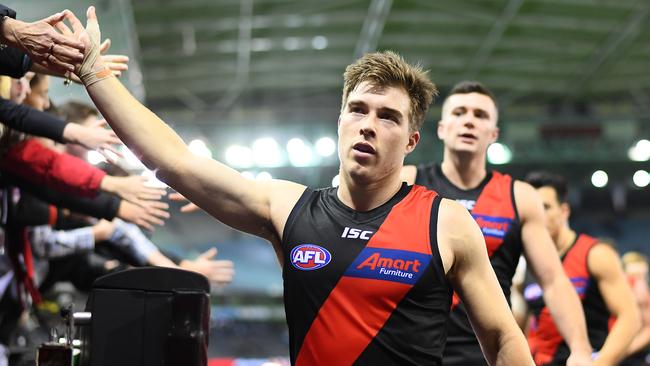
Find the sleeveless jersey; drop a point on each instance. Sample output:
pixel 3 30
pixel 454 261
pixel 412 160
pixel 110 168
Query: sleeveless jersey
pixel 545 341
pixel 365 288
pixel 493 207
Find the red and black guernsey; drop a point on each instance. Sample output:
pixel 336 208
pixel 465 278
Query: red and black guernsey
pixel 492 205
pixel 546 343
pixel 365 288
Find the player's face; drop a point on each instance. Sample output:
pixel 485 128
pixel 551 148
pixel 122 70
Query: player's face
pixel 374 135
pixel 469 123
pixel 556 213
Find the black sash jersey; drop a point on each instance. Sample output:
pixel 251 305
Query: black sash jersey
pixel 546 343
pixel 492 205
pixel 365 288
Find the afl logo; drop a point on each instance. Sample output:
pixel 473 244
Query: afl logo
pixel 308 257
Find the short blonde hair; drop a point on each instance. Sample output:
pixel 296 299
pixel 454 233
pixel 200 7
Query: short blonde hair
pixel 387 68
pixel 633 257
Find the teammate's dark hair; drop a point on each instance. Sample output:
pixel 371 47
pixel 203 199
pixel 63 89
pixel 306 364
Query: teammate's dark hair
pixel 466 87
pixel 542 178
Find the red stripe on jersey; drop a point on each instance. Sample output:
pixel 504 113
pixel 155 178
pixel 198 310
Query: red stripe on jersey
pixel 544 338
pixel 495 201
pixel 357 308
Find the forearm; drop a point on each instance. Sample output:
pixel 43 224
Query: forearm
pixel 640 341
pixel 137 126
pixel 566 309
pixel 619 338
pixel 48 243
pixel 512 350
pixel 29 120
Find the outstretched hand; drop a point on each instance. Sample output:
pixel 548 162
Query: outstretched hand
pixel 116 63
pixel 44 45
pixel 93 137
pixel 190 207
pixel 219 272
pixel 134 189
pixel 145 215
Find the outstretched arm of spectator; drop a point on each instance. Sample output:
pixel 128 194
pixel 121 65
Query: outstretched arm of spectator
pixel 44 45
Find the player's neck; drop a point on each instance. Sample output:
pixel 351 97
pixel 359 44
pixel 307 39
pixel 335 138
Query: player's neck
pixel 565 238
pixel 463 171
pixel 363 196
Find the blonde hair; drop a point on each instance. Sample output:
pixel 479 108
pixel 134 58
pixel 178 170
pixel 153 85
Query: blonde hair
pixel 387 68
pixel 633 257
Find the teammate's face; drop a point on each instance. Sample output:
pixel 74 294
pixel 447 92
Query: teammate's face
pixel 557 213
pixel 38 98
pixel 374 135
pixel 469 123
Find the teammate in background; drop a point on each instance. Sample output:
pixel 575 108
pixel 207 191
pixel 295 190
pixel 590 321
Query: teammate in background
pixel 635 266
pixel 595 271
pixel 509 213
pixel 379 297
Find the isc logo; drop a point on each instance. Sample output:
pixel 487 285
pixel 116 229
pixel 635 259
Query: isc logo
pixel 308 257
pixel 352 233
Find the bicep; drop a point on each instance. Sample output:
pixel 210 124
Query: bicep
pixel 605 266
pixel 248 205
pixel 473 277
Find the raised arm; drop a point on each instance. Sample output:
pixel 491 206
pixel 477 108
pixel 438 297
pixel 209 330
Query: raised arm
pixel 463 249
pixel 259 208
pixel 605 265
pixel 559 295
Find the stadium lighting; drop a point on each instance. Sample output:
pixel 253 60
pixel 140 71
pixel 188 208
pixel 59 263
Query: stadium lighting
pixel 499 154
pixel 199 148
pixel 640 151
pixel 319 42
pixel 641 178
pixel 263 176
pixel 325 146
pixel 266 152
pixel 299 152
pixel 239 156
pixel 336 180
pixel 599 179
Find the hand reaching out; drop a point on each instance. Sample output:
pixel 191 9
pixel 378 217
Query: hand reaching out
pixel 93 137
pixel 146 215
pixel 44 45
pixel 219 272
pixel 190 207
pixel 133 188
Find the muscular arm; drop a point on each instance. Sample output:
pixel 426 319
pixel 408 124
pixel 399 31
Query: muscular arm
pixel 463 250
pixel 541 254
pixel 642 339
pixel 605 265
pixel 259 208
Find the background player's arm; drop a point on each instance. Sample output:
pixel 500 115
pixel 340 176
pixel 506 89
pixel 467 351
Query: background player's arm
pixel 605 265
pixel 642 338
pixel 469 270
pixel 541 255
